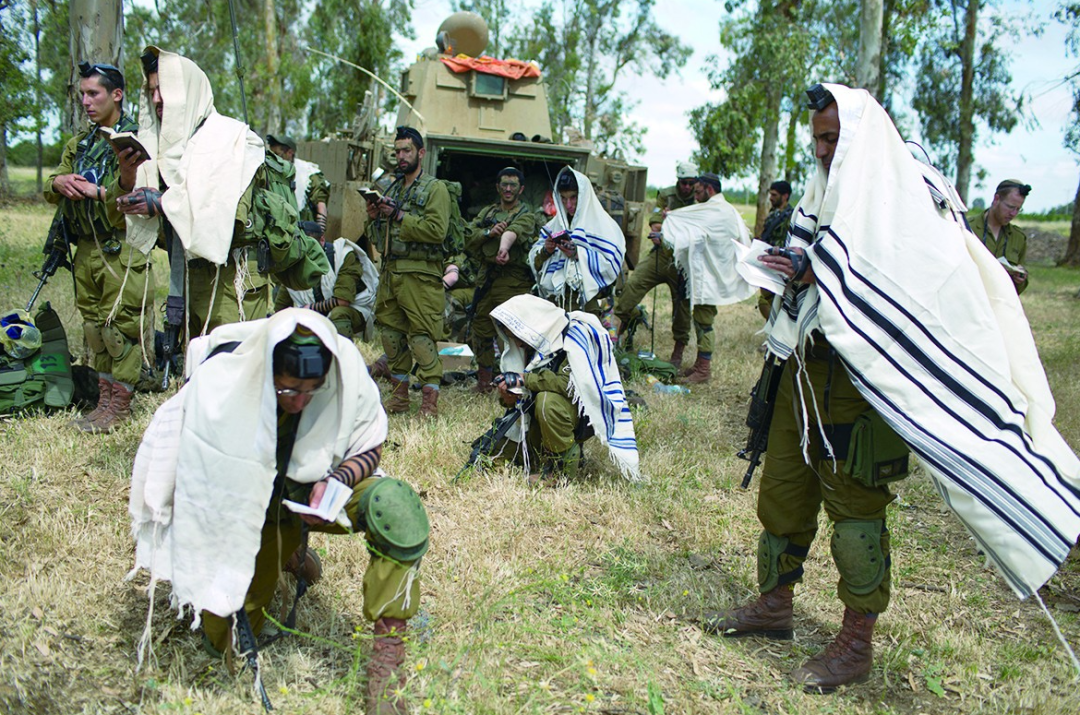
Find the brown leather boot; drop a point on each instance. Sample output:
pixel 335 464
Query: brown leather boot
pixel 306 564
pixel 119 410
pixel 676 354
pixel 700 373
pixel 386 677
pixel 399 397
pixel 847 659
pixel 104 397
pixel 429 406
pixel 380 369
pixel 770 616
pixel 484 376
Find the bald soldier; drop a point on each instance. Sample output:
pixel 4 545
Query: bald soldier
pixel 995 229
pixel 658 267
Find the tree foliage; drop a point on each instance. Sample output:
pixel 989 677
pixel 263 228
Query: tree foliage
pixel 1069 14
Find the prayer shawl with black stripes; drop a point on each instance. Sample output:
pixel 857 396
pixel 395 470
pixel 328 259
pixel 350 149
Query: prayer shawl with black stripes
pixel 595 385
pixel 600 244
pixel 934 337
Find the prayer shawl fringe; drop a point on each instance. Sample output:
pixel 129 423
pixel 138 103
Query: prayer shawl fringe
pixel 595 385
pixel 933 335
pixel 702 236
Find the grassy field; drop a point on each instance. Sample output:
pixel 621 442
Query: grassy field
pixel 581 599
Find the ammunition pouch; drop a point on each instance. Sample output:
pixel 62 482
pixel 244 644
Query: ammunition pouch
pixel 876 455
pixel 856 550
pixel 414 251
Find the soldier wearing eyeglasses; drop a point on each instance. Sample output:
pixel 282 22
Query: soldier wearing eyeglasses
pixel 995 229
pixel 499 238
pixel 113 286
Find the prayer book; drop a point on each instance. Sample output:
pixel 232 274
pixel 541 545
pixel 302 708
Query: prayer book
pixel 123 140
pixel 333 501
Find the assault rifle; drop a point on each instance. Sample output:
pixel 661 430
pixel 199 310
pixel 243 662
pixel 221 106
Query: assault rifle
pixel 57 254
pixel 174 320
pixel 486 444
pixel 759 416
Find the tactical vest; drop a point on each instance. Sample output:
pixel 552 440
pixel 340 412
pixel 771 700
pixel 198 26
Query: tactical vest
pixel 95 161
pixel 412 201
pixel 42 379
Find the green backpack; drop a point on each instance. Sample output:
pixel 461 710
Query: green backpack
pixel 633 365
pixel 42 379
pixel 454 243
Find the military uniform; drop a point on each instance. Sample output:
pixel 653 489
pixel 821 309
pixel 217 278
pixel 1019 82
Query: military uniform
pixel 554 419
pixel 318 191
pixel 498 283
pixel 411 298
pixel 792 492
pixel 1011 243
pixel 111 278
pixel 348 282
pixel 774 232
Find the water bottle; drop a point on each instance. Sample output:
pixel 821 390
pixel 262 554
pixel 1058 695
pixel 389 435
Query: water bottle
pixel 662 389
pixel 23 341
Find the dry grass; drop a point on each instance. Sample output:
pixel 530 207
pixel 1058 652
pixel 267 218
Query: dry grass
pixel 580 599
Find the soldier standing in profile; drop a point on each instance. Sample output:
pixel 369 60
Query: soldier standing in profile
pixel 409 225
pixel 499 237
pixel 113 283
pixel 659 267
pixel 311 187
pixel 774 232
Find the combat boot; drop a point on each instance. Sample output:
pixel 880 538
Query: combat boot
pixel 386 677
pixel 304 563
pixel 771 615
pixel 676 354
pixel 118 412
pixel 484 376
pixel 847 659
pixel 104 397
pixel 700 373
pixel 399 397
pixel 429 405
pixel 380 369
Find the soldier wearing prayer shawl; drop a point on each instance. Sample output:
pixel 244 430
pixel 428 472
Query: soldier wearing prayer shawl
pixel 565 362
pixel 206 192
pixel 580 252
pixel 276 409
pixel 897 330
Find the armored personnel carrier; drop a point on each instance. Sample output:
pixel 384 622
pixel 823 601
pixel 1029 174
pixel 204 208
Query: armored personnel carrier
pixel 475 121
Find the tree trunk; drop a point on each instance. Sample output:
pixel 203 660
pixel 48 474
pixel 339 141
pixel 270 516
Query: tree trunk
pixel 770 138
pixel 97 35
pixel 967 99
pixel 868 70
pixel 5 183
pixel 273 103
pixel 888 8
pixel 791 142
pixel 40 120
pixel 1072 253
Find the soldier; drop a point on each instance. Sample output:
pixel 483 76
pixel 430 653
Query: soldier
pixel 312 188
pixel 221 197
pixel 995 229
pixel 409 226
pixel 659 268
pixel 113 283
pixel 774 232
pixel 499 237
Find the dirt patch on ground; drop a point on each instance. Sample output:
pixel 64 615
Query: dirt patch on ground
pixel 1045 247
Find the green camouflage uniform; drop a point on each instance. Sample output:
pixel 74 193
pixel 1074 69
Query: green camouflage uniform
pixel 1011 243
pixel 658 268
pixel 411 297
pixel 774 232
pixel 384 579
pixel 318 191
pixel 347 283
pixel 495 283
pixel 792 492
pixel 106 268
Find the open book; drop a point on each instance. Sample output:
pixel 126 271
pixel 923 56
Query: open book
pixel 123 140
pixel 333 501
pixel 370 194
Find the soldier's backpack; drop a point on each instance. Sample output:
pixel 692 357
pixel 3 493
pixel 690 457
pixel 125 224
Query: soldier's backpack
pixel 42 379
pixel 454 243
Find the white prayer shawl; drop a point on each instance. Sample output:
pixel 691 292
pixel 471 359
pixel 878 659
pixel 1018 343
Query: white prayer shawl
pixel 600 244
pixel 204 473
pixel 205 159
pixel 304 171
pixel 364 302
pixel 703 236
pixel 595 385
pixel 933 335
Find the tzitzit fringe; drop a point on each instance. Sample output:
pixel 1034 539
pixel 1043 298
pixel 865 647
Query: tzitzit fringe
pixel 93 232
pixel 1060 635
pixel 240 258
pixel 213 296
pixel 142 314
pixel 120 294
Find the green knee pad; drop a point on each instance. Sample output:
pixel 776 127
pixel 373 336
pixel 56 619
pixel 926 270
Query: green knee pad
pixel 116 343
pixel 394 343
pixel 342 320
pixel 770 548
pixel 92 332
pixel 424 351
pixel 856 549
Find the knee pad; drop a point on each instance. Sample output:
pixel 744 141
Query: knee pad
pixel 92 332
pixel 394 343
pixel 116 343
pixel 424 351
pixel 856 549
pixel 394 519
pixel 342 320
pixel 770 548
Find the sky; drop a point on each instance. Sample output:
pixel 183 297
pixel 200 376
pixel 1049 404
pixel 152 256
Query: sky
pixel 1033 152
